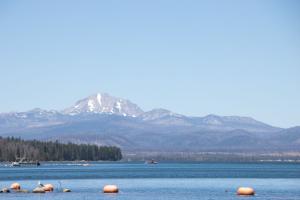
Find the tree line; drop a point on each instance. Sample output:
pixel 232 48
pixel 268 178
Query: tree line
pixel 15 148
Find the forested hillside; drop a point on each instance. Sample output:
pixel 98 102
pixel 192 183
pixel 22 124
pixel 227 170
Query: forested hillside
pixel 13 148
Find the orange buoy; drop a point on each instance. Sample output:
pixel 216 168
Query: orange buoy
pixel 247 191
pixel 110 189
pixel 48 187
pixel 15 186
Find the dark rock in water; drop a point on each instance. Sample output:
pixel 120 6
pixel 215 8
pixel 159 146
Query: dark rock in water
pixel 5 190
pixel 66 190
pixel 22 191
pixel 38 190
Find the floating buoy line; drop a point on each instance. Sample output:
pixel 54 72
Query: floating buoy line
pixel 43 188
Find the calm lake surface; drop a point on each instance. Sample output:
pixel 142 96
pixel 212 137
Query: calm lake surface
pixel 164 181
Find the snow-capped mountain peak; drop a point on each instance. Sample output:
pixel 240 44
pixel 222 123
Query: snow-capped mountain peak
pixel 104 103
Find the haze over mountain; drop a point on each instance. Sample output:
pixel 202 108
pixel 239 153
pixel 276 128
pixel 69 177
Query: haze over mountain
pixel 106 120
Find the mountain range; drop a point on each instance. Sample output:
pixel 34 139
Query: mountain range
pixel 106 120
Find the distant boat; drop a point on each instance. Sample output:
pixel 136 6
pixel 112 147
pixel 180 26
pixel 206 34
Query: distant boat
pixel 15 164
pixel 151 162
pixel 22 161
pixel 19 164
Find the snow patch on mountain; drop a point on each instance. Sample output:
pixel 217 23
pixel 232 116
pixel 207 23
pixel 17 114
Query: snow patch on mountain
pixel 104 103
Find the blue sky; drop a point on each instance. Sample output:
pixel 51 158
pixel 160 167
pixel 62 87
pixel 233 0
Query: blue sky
pixel 192 57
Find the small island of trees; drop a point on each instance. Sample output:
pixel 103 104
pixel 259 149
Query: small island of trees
pixel 12 148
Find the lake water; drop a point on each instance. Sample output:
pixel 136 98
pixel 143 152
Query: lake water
pixel 164 181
